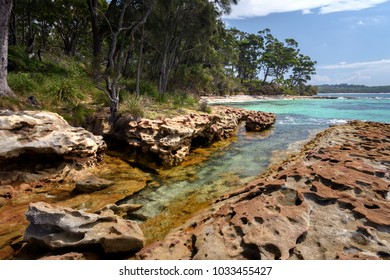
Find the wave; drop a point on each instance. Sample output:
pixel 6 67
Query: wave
pixel 292 120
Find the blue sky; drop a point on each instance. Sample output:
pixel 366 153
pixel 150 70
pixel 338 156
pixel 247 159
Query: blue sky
pixel 349 39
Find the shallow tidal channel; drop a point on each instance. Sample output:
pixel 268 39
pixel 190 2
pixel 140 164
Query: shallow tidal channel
pixel 172 196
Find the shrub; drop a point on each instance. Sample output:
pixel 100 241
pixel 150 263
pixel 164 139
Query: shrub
pixel 21 82
pixel 77 115
pixel 65 90
pixel 146 88
pixel 184 99
pixel 204 107
pixel 133 105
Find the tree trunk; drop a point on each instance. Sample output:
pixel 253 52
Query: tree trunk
pixel 265 77
pixel 141 50
pixel 5 12
pixel 139 65
pixel 96 34
pixel 12 25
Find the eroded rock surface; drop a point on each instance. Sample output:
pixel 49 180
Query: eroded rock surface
pixel 171 139
pixel 62 227
pixel 330 201
pixel 31 139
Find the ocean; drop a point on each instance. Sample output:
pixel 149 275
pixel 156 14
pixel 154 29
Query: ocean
pixel 171 202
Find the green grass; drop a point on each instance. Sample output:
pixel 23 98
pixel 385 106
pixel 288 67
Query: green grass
pixel 63 85
pixel 60 84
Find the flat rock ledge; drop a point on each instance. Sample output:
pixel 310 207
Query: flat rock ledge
pixel 61 227
pixel 171 139
pixel 330 201
pixel 32 139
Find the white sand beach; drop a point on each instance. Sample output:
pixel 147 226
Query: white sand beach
pixel 248 98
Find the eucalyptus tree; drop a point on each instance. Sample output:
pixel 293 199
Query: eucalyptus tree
pixel 5 12
pixel 123 22
pixel 249 48
pixel 177 26
pixel 70 20
pixel 278 57
pixel 302 70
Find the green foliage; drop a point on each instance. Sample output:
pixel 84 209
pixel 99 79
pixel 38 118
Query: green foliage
pixel 185 100
pixel 346 88
pixel 146 88
pixel 180 49
pixel 19 61
pixel 59 83
pixel 77 115
pixel 65 90
pixel 22 83
pixel 204 107
pixel 133 105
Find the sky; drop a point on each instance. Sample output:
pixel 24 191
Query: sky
pixel 349 39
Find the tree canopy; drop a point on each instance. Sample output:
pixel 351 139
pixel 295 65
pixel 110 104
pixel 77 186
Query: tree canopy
pixel 173 45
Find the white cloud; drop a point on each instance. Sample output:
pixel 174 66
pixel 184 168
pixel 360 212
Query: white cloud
pixel 253 8
pixel 359 65
pixel 369 73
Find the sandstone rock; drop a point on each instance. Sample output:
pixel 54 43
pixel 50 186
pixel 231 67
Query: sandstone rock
pixel 119 210
pixel 72 256
pixel 171 139
pixel 329 201
pixel 258 121
pixel 68 257
pixel 34 139
pixel 91 184
pixel 60 227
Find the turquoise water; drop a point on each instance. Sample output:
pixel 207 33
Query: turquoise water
pixel 247 156
pixel 369 107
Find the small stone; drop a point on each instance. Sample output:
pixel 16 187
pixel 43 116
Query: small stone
pixel 92 184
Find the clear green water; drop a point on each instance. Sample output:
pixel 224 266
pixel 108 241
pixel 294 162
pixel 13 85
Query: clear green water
pixel 319 111
pixel 233 165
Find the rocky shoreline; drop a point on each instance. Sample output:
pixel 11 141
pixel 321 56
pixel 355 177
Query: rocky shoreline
pixel 45 160
pixel 337 186
pixel 330 201
pixel 169 141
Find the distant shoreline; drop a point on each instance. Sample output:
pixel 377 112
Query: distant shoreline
pixel 228 99
pixel 254 98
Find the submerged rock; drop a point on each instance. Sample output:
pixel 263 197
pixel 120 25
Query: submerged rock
pixel 91 184
pixel 61 227
pixel 330 201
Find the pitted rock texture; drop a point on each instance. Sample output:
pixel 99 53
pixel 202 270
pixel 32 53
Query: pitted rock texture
pixel 330 201
pixel 171 139
pixel 61 227
pixel 29 135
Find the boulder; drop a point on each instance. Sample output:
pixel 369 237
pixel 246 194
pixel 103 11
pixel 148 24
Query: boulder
pixel 61 227
pixel 258 121
pixel 37 139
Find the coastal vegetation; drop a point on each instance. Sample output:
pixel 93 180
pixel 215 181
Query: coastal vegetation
pixel 347 88
pixel 153 163
pixel 72 56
